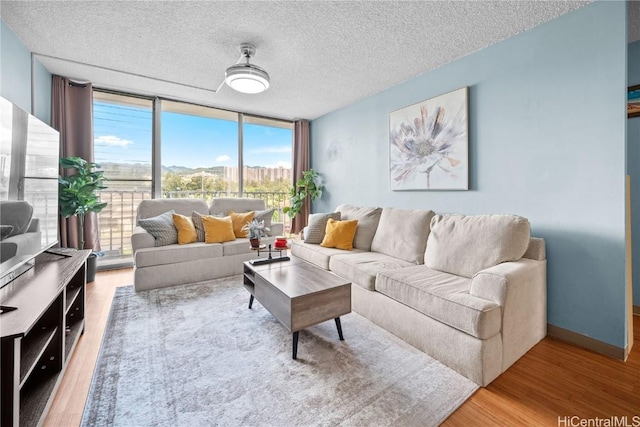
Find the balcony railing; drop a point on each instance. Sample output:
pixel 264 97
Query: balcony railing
pixel 118 219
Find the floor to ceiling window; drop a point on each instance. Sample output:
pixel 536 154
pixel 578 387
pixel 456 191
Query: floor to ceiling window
pixel 199 151
pixel 204 152
pixel 267 155
pixel 123 147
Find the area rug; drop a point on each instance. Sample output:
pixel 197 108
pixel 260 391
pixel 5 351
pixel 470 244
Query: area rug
pixel 196 355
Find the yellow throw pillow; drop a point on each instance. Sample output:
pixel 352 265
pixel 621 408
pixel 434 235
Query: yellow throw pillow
pixel 340 234
pixel 186 229
pixel 240 220
pixel 217 230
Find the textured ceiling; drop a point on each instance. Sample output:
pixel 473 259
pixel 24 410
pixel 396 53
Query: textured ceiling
pixel 321 55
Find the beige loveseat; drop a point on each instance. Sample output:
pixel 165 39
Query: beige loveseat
pixel 175 264
pixel 468 290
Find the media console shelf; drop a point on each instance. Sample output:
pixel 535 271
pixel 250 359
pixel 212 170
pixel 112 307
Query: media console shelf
pixel 40 335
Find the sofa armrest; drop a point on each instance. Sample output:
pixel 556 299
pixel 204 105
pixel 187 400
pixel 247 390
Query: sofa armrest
pixel 520 287
pixel 276 229
pixel 140 239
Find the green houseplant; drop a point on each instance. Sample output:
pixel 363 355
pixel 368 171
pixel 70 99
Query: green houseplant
pixel 255 230
pixel 308 186
pixel 77 196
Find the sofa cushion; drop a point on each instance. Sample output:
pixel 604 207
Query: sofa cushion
pixel 402 233
pixel 464 245
pixel 239 220
pixel 15 214
pixel 222 205
pixel 362 268
pixel 155 207
pixel 5 231
pixel 236 247
pixel 197 223
pixel 442 296
pixel 243 246
pixel 186 229
pixel 340 234
pixel 173 254
pixel 315 254
pixel 266 216
pixel 317 226
pixel 161 227
pixel 368 219
pixel 217 230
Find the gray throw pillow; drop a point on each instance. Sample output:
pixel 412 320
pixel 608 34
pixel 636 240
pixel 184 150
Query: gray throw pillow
pixel 161 227
pixel 196 217
pixel 266 216
pixel 197 222
pixel 317 225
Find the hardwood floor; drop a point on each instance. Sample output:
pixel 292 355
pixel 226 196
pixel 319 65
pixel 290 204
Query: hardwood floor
pixel 68 404
pixel 553 380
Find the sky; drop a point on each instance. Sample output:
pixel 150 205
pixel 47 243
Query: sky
pixel 123 134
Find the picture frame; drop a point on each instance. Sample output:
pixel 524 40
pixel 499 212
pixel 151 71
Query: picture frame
pixel 633 101
pixel 429 144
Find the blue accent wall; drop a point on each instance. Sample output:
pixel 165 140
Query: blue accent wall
pixel 15 76
pixel 42 92
pixel 633 168
pixel 547 136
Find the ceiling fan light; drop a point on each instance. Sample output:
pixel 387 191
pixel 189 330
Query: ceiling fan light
pixel 247 78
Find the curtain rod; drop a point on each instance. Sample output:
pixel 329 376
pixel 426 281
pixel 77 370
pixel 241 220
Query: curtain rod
pixel 127 73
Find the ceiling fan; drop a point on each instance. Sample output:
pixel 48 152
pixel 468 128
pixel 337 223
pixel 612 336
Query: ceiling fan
pixel 246 77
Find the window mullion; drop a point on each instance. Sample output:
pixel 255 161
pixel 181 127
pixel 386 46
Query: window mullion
pixel 156 160
pixel 240 159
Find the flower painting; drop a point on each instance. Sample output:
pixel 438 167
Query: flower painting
pixel 429 146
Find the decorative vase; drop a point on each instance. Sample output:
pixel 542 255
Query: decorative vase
pixel 255 243
pixel 92 266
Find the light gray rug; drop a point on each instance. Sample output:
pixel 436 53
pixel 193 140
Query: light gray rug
pixel 195 355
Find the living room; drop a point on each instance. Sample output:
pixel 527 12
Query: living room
pixel 549 139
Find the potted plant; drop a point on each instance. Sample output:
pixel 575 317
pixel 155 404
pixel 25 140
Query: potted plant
pixel 308 186
pixel 255 230
pixel 77 196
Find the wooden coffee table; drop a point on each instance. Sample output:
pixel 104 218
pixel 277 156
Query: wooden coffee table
pixel 298 294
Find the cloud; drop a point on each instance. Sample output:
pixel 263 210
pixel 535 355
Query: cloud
pixel 285 165
pixel 281 149
pixel 223 158
pixel 112 141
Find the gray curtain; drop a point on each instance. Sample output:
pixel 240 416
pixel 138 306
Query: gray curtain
pixel 72 116
pixel 301 162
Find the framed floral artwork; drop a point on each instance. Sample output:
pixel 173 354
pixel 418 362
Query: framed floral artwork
pixel 429 144
pixel 633 101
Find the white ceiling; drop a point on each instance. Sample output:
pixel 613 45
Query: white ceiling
pixel 321 55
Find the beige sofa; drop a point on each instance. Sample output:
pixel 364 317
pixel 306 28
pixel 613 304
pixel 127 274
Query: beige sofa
pixel 468 290
pixel 161 266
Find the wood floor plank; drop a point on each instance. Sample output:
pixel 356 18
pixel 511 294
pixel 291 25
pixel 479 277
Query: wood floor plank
pixel 68 404
pixel 553 380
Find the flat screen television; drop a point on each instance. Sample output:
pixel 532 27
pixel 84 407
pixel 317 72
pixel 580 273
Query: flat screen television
pixel 29 158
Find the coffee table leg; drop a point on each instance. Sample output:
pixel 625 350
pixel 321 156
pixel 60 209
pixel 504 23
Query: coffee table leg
pixel 339 326
pixel 295 345
pixel 250 301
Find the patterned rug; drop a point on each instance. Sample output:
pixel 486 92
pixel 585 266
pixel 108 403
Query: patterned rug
pixel 195 355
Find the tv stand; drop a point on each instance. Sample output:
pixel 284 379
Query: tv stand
pixel 65 252
pixel 38 338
